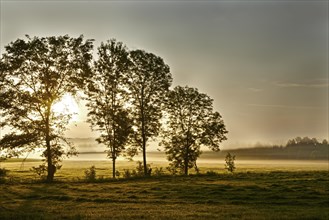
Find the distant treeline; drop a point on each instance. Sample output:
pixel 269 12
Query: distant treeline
pixel 297 148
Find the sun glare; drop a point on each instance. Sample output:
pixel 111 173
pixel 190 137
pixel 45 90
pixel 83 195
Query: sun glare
pixel 67 105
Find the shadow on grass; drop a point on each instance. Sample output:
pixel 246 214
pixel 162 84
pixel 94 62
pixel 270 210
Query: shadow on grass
pixel 263 193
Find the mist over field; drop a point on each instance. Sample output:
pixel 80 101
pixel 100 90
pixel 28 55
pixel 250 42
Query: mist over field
pixel 164 109
pixel 89 149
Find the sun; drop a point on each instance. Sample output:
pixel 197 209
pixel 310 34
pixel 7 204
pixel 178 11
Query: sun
pixel 67 105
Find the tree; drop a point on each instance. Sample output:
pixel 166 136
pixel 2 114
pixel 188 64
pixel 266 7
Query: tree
pixel 305 141
pixel 229 162
pixel 191 123
pixel 4 96
pixel 107 95
pixel 90 174
pixel 291 142
pixel 149 81
pixel 38 72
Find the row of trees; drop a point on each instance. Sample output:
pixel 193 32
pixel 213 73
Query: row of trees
pixel 305 141
pixel 128 97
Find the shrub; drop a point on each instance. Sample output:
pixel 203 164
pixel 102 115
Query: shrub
pixel 40 171
pixel 2 158
pixel 117 173
pixel 229 162
pixel 172 170
pixel 134 173
pixel 3 172
pixel 158 171
pixel 211 173
pixel 101 179
pixel 126 174
pixel 90 174
pixel 196 168
pixel 139 171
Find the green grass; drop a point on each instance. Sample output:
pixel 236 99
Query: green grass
pixel 244 195
pixel 74 170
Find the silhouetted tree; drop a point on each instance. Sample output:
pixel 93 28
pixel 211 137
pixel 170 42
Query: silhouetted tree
pixel 149 81
pixel 298 141
pixel 291 142
pixel 229 162
pixel 90 174
pixel 4 97
pixel 191 123
pixel 37 73
pixel 107 95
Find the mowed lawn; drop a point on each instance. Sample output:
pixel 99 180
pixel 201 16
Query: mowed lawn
pixel 243 195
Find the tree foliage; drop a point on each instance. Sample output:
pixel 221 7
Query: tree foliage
pixel 107 97
pixel 90 174
pixel 35 74
pixel 229 162
pixel 149 81
pixel 305 141
pixel 190 123
pixel 127 94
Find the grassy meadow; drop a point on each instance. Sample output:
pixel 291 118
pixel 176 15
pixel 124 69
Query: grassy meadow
pixel 257 190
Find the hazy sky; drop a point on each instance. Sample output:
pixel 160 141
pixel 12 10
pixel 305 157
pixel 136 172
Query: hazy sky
pixel 265 63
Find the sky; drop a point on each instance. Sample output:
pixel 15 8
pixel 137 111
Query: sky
pixel 264 62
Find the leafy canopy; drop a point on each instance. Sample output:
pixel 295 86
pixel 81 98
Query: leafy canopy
pixel 107 98
pixel 148 83
pixel 35 74
pixel 190 123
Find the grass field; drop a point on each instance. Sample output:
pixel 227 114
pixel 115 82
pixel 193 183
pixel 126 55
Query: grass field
pixel 267 193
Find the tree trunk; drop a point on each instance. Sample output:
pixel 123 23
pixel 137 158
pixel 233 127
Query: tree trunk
pixel 186 158
pixel 113 116
pixel 144 149
pixel 186 166
pixel 144 155
pixel 51 169
pixel 113 166
pixel 146 173
pixel 186 162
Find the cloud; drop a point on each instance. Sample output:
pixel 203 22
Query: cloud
pixel 255 89
pixel 286 106
pixel 318 83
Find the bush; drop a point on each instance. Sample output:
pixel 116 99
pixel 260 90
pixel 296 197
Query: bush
pixel 158 171
pixel 211 173
pixel 137 172
pixel 126 174
pixel 2 158
pixel 229 162
pixel 196 168
pixel 90 174
pixel 40 171
pixel 173 170
pixel 101 179
pixel 117 173
pixel 3 172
